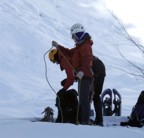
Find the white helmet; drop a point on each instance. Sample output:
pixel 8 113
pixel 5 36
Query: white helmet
pixel 76 28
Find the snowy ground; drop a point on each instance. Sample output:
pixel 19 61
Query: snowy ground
pixel 27 28
pixel 22 128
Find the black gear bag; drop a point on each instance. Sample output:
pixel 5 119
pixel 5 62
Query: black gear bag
pixel 136 118
pixel 67 106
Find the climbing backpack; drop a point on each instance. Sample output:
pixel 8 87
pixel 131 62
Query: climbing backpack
pixel 136 118
pixel 67 106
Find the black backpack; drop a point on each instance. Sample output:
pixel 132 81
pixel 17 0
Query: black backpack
pixel 136 118
pixel 67 106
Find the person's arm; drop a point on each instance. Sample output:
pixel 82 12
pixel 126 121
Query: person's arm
pixel 66 51
pixel 69 72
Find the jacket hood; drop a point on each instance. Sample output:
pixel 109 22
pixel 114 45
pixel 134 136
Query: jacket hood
pixel 87 40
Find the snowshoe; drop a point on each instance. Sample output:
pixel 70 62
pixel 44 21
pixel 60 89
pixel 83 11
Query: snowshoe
pixel 117 103
pixel 91 112
pixel 106 98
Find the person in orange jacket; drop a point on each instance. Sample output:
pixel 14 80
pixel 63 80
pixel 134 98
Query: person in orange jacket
pixel 98 67
pixel 64 61
pixel 81 63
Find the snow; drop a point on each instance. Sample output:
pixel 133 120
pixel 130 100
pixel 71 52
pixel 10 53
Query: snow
pixel 25 129
pixel 27 28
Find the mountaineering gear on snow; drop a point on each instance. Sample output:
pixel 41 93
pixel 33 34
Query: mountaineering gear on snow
pixel 76 28
pixel 48 115
pixel 80 74
pixel 52 54
pixel 55 44
pixel 136 118
pixel 107 99
pixel 117 103
pixel 68 104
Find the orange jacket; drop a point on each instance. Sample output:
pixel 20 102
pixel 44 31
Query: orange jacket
pixel 81 57
pixel 64 65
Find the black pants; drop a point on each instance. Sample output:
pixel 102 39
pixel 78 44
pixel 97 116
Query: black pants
pixel 98 84
pixel 84 87
pixel 99 75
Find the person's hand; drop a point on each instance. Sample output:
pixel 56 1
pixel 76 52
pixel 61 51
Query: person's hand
pixel 80 74
pixel 61 92
pixel 55 44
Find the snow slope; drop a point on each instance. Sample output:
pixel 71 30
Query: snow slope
pixel 27 28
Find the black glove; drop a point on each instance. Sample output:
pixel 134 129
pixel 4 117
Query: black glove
pixel 63 82
pixel 61 92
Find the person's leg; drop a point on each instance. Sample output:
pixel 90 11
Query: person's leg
pixel 98 110
pixel 98 85
pixel 84 92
